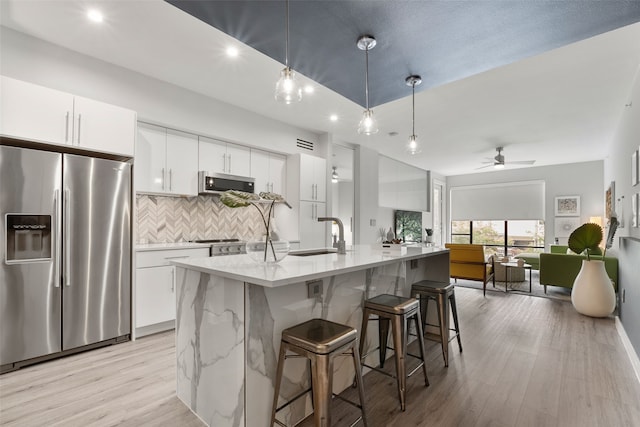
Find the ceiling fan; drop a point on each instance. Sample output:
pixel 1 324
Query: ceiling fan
pixel 498 161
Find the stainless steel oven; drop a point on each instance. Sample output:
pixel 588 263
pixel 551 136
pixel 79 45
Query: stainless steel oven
pixel 224 246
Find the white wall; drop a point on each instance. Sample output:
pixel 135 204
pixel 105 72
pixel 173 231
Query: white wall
pixel 575 179
pixel 618 169
pixel 33 60
pixel 618 164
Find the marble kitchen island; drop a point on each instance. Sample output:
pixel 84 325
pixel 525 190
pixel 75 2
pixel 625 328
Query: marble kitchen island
pixel 231 312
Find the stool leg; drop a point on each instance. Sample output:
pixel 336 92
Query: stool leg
pixel 322 378
pixel 443 317
pixel 363 331
pixel 383 336
pixel 359 381
pixel 424 305
pixel 400 346
pixel 276 391
pixel 454 311
pixel 420 339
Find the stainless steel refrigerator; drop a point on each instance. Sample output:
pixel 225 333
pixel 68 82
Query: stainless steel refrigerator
pixel 65 275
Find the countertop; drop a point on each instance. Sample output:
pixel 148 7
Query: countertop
pixel 294 269
pixel 170 246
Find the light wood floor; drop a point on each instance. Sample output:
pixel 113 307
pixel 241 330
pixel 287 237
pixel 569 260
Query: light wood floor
pixel 527 362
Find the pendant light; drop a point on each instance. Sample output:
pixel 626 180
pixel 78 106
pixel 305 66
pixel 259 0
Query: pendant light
pixel 368 125
pixel 334 175
pixel 413 147
pixel 287 88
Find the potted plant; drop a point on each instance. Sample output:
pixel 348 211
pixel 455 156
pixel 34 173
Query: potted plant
pixel 592 293
pixel 267 248
pixel 429 237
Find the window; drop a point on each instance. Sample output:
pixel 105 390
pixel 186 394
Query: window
pixel 501 237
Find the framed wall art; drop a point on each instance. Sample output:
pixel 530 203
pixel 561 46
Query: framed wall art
pixel 635 210
pixel 563 226
pixel 567 206
pixel 635 177
pixel 610 199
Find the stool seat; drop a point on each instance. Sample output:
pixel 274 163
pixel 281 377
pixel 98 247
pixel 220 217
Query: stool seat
pixel 433 286
pixel 319 336
pixel 392 304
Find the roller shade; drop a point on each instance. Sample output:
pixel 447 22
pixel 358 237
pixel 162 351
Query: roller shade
pixel 506 201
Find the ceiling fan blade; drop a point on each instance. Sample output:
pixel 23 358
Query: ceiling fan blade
pixel 522 162
pixel 482 167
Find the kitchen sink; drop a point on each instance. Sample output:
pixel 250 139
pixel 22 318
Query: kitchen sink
pixel 311 252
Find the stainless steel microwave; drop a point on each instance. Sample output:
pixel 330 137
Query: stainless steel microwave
pixel 216 183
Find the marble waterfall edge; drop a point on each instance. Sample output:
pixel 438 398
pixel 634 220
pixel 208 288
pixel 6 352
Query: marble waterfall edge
pixel 210 346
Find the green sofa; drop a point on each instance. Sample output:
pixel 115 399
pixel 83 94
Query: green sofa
pixel 558 268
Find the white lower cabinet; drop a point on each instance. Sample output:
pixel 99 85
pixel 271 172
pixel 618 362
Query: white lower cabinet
pixel 155 284
pixel 155 295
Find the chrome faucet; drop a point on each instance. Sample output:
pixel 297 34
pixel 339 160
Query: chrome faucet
pixel 340 244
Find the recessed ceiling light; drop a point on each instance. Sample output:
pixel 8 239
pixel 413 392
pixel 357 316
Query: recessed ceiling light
pixel 393 133
pixel 308 89
pixel 232 51
pixel 95 15
pixel 333 117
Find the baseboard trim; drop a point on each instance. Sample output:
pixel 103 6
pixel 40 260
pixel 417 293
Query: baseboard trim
pixel 633 356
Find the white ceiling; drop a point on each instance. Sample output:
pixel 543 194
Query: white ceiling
pixel 559 107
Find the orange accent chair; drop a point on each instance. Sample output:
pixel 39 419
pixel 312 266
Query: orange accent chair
pixel 468 262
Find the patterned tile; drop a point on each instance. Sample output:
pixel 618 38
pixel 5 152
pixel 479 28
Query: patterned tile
pixel 176 219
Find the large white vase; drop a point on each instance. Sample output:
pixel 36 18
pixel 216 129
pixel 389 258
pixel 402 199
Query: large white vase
pixel 592 293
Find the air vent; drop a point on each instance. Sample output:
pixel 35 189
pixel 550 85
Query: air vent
pixel 305 145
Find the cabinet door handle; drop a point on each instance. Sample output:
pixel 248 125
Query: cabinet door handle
pixel 66 128
pixel 162 178
pixel 224 163
pixel 79 124
pixel 229 155
pixel 170 179
pixel 173 279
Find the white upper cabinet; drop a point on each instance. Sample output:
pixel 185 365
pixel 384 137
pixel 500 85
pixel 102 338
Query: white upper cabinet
pixel 223 157
pixel 166 161
pixel 313 177
pixel 313 234
pixel 269 170
pixel 46 115
pixel 182 162
pixel 401 186
pixel 103 127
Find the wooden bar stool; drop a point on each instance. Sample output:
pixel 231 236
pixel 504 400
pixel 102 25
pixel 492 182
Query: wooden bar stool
pixel 444 296
pixel 398 311
pixel 320 341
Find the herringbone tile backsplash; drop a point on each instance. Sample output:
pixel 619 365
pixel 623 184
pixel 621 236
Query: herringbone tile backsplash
pixel 179 219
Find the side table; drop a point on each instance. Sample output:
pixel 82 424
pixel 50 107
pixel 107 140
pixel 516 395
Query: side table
pixel 509 266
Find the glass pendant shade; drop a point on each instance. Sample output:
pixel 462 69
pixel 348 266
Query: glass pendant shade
pixel 287 88
pixel 413 147
pixel 368 124
pixel 334 175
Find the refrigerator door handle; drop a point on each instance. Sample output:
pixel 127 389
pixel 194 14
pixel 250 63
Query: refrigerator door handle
pixel 67 222
pixel 56 209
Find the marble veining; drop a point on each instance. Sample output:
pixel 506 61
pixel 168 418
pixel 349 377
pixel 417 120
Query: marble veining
pixel 210 347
